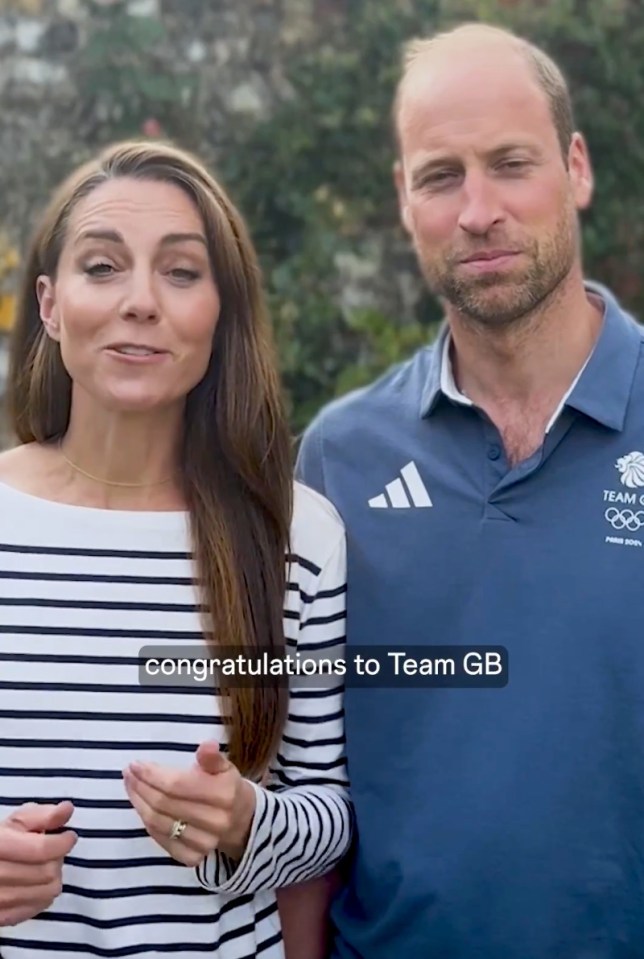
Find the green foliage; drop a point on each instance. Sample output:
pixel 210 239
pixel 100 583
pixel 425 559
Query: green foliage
pixel 381 343
pixel 127 80
pixel 314 179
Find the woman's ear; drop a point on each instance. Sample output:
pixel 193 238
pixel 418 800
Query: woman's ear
pixel 45 292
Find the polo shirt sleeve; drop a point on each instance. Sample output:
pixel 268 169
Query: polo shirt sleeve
pixel 309 465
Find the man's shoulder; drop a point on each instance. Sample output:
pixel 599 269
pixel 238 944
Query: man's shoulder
pixel 398 388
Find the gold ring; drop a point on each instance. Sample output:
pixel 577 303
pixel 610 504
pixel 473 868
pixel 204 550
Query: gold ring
pixel 177 830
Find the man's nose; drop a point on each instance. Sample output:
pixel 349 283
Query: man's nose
pixel 481 208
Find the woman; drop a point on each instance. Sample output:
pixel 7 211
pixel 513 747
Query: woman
pixel 150 504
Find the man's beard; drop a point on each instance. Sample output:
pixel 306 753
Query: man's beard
pixel 504 298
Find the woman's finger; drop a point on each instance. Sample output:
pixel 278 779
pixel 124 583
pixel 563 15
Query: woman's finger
pixel 204 818
pixel 193 785
pixel 192 842
pixel 26 874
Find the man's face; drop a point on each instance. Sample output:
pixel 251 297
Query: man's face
pixel 487 196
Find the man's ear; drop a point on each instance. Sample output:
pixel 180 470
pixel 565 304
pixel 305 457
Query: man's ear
pixel 48 310
pixel 580 171
pixel 401 189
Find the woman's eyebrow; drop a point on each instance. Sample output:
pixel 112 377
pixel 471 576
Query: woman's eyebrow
pixel 112 236
pixel 182 238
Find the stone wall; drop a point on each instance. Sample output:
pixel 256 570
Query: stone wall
pixel 78 73
pixel 211 64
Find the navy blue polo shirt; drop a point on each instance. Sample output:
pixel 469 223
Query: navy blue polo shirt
pixel 495 823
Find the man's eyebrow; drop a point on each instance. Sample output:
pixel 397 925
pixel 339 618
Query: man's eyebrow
pixel 511 146
pixel 112 236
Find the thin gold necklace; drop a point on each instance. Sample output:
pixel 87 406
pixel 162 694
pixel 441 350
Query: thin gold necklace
pixel 105 482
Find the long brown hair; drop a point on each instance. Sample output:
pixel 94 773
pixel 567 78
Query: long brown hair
pixel 236 451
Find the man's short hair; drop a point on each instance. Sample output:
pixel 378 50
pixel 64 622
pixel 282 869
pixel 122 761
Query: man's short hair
pixel 547 74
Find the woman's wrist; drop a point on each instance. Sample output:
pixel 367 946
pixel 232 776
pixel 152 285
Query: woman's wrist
pixel 235 842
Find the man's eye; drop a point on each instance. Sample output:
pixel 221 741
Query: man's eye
pixel 439 178
pixel 513 165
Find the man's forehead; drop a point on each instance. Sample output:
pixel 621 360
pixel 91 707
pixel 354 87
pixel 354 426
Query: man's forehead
pixel 439 94
pixel 473 49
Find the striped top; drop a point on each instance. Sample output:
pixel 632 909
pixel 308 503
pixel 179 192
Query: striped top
pixel 82 590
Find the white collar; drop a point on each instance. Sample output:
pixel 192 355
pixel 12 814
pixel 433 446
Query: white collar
pixel 451 390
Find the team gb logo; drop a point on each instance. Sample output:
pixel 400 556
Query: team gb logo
pixel 631 467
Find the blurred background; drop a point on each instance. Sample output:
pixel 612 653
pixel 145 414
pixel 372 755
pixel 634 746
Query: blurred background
pixel 289 103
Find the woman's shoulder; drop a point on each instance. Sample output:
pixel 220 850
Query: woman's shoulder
pixel 18 467
pixel 317 529
pixel 27 468
pixel 16 461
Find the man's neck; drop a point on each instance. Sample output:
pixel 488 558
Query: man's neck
pixel 519 375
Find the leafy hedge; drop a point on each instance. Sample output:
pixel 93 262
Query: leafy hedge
pixel 315 178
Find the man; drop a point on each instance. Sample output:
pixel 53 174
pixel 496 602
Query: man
pixel 493 491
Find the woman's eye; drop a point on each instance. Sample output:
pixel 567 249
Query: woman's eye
pixel 184 275
pixel 99 269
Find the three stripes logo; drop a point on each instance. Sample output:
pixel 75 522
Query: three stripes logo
pixel 404 492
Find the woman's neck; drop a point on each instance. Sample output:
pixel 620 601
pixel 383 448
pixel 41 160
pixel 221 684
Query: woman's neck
pixel 122 461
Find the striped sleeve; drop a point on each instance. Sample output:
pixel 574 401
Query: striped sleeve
pixel 303 820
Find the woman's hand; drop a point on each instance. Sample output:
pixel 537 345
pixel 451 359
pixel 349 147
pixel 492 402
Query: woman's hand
pixel 191 813
pixel 31 861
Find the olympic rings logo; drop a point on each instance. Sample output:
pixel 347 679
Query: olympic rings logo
pixel 625 518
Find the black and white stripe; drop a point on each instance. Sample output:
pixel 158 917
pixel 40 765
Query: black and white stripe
pixel 81 592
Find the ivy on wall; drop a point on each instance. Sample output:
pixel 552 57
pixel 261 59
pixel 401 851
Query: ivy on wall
pixel 314 176
pixel 9 262
pixel 129 82
pixel 315 181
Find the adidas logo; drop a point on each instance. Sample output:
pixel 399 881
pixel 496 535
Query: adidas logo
pixel 406 491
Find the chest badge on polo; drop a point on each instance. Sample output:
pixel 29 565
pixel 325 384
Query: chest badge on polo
pixel 631 467
pixel 627 517
pixel 404 492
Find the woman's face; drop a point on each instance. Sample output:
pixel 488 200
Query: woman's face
pixel 134 304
